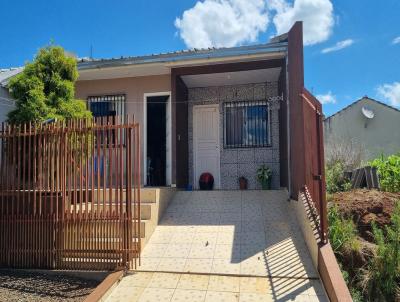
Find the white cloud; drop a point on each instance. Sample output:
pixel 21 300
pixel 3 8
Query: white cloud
pixel 317 16
pixel 328 98
pixel 396 40
pixel 338 46
pixel 222 23
pixel 391 92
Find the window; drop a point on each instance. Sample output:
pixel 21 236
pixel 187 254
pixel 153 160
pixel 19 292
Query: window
pixel 108 106
pixel 246 124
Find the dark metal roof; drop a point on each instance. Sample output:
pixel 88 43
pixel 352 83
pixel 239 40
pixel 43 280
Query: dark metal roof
pixel 183 55
pixel 363 98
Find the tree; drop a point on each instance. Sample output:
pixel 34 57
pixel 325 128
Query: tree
pixel 46 88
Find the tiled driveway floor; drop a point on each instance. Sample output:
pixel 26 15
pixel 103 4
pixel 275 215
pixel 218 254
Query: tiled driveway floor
pixel 245 243
pixel 229 232
pixel 174 287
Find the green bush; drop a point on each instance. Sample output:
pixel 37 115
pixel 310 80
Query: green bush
pixel 342 233
pixel 382 279
pixel 335 180
pixel 389 172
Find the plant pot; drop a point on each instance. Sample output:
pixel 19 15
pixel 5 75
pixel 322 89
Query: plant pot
pixel 266 184
pixel 206 181
pixel 243 183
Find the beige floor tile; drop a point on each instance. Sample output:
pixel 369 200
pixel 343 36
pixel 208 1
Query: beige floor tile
pixel 214 296
pixel 254 297
pixel 127 294
pixel 164 280
pixel 179 250
pixel 224 284
pixel 225 266
pixel 198 265
pixel 255 285
pixel 149 264
pixel 252 238
pixel 154 250
pixel 228 237
pixel 254 266
pixel 183 237
pixel 161 237
pixel 195 282
pixel 172 264
pixel 156 295
pixel 227 251
pixel 202 251
pixel 205 238
pixel 136 280
pixel 186 295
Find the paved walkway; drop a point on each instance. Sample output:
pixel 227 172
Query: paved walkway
pixel 224 246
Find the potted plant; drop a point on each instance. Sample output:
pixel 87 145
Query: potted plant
pixel 264 176
pixel 242 183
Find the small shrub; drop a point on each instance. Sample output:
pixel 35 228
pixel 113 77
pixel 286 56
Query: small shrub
pixel 382 280
pixel 389 172
pixel 335 180
pixel 342 233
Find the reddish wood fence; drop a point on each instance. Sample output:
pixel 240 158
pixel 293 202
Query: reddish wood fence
pixel 314 158
pixel 70 194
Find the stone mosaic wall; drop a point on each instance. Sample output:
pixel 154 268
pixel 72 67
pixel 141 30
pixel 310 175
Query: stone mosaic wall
pixel 239 161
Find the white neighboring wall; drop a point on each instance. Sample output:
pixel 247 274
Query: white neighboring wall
pixel 379 135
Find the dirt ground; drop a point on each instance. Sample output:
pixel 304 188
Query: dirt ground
pixel 365 206
pixel 21 286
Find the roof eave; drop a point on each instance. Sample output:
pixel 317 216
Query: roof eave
pixel 188 56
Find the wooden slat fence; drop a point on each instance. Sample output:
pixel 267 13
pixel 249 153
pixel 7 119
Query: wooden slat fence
pixel 70 194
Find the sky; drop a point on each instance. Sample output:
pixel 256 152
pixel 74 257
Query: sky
pixel 352 48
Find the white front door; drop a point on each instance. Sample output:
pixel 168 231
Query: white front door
pixel 206 143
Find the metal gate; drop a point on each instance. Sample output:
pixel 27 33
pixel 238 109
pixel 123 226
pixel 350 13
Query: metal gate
pixel 70 194
pixel 314 159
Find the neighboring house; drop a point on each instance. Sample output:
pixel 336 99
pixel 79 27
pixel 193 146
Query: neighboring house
pixel 225 111
pixel 6 103
pixel 368 124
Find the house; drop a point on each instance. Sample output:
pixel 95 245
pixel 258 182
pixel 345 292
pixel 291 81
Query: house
pixel 225 111
pixel 6 102
pixel 369 124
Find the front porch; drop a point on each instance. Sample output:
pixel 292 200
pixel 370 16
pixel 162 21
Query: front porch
pixel 230 120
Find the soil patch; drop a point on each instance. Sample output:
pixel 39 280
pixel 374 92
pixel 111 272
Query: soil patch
pixel 19 285
pixel 365 206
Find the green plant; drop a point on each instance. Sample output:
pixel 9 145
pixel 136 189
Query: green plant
pixel 382 279
pixel 264 175
pixel 45 89
pixel 335 179
pixel 389 172
pixel 342 233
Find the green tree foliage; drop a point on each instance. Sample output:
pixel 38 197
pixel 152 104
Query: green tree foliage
pixel 45 89
pixel 389 172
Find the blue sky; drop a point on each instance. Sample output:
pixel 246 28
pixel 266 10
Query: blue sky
pixel 351 48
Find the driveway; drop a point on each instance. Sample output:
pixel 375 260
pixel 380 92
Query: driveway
pixel 225 246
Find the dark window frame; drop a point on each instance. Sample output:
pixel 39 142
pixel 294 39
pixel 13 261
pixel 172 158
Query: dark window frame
pixel 118 102
pixel 263 137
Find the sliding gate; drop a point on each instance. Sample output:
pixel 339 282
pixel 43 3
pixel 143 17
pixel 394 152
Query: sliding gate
pixel 70 194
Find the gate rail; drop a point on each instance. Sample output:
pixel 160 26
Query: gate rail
pixel 70 194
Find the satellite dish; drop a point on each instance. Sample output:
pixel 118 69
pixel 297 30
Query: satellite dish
pixel 367 112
